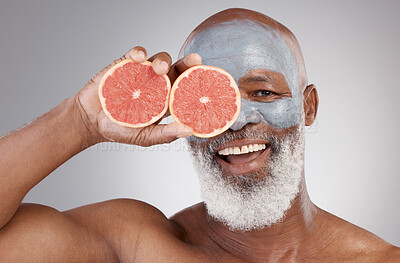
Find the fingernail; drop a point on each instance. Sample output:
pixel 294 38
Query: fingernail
pixel 185 59
pixel 164 66
pixel 198 57
pixel 139 56
pixel 184 131
pixel 192 58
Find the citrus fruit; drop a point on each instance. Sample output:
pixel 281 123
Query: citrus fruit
pixel 205 98
pixel 133 95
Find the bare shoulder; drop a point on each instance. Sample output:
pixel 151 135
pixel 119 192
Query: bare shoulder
pixel 392 254
pixel 193 220
pixel 111 231
pixel 190 218
pixel 39 233
pixel 117 211
pixel 130 227
pixel 358 244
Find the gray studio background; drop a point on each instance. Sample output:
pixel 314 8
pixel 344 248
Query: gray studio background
pixel 50 49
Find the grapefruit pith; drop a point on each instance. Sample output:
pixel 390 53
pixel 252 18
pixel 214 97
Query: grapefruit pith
pixel 205 98
pixel 133 95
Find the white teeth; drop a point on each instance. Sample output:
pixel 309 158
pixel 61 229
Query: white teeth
pixel 236 150
pixel 244 149
pixel 224 151
pixel 251 149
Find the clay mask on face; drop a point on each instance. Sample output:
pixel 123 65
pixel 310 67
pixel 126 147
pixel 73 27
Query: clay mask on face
pixel 239 46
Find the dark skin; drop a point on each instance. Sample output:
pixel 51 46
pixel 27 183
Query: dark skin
pixel 127 230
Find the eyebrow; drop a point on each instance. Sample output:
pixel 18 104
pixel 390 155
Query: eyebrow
pixel 258 78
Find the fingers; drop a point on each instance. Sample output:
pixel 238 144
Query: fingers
pixel 170 132
pixel 138 53
pixel 193 59
pixel 159 134
pixel 161 63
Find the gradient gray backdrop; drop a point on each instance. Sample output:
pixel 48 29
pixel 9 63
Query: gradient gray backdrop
pixel 50 49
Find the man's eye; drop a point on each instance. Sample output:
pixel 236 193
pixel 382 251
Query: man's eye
pixel 263 93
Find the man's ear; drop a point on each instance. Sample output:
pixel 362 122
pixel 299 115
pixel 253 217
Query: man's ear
pixel 310 98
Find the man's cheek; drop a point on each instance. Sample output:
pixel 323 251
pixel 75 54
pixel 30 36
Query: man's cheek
pixel 280 114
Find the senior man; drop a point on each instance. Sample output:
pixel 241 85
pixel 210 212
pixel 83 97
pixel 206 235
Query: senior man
pixel 256 207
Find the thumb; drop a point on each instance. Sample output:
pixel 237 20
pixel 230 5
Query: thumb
pixel 166 133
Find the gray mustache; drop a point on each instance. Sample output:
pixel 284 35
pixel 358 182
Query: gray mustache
pixel 247 132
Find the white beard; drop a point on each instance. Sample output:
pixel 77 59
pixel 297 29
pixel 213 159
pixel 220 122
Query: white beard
pixel 260 204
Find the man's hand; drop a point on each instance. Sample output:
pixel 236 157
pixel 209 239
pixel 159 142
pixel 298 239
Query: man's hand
pixel 96 127
pixel 35 233
pixel 32 152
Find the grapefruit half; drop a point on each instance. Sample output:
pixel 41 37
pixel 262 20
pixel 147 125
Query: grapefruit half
pixel 133 95
pixel 205 98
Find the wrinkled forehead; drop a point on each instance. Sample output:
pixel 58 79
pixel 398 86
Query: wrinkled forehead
pixel 239 46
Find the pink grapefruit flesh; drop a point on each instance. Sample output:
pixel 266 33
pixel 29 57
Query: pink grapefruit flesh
pixel 133 95
pixel 205 98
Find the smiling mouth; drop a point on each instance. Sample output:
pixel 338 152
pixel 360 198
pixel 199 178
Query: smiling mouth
pixel 243 157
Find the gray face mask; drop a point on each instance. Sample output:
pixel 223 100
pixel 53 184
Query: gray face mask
pixel 239 46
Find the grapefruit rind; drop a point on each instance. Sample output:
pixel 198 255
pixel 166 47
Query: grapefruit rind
pixel 103 103
pixel 233 85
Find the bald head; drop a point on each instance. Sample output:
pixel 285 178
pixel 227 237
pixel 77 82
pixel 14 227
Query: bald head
pixel 237 17
pixel 254 48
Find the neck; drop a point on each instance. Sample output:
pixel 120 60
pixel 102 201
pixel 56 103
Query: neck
pixel 299 226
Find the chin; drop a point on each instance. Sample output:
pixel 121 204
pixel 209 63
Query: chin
pixel 250 190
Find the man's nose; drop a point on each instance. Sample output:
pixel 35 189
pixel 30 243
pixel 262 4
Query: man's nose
pixel 247 115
